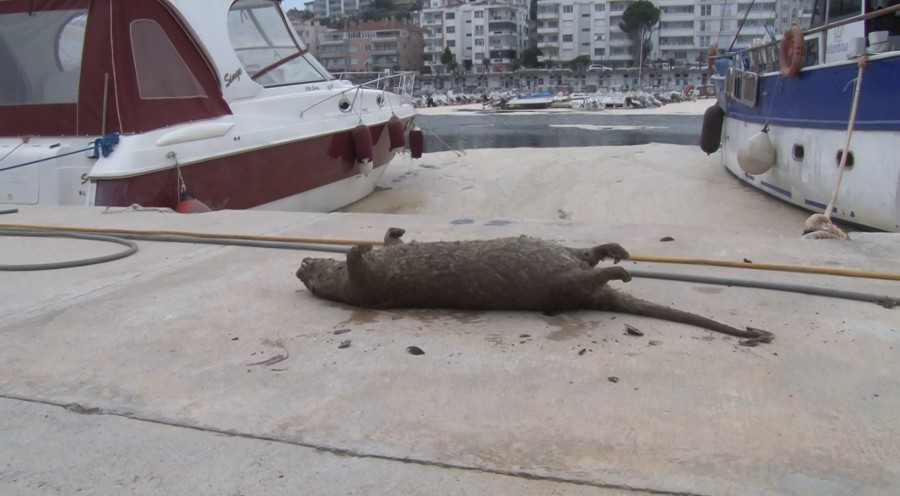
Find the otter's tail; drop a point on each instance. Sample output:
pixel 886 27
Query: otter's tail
pixel 609 299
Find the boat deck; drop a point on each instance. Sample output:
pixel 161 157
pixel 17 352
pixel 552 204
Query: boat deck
pixel 205 369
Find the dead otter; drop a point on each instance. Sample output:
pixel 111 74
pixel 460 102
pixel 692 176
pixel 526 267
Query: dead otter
pixel 521 273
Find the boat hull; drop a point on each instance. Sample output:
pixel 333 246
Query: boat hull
pixel 288 176
pixel 807 119
pixel 869 191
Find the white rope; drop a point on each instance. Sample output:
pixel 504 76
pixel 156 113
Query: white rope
pixel 837 183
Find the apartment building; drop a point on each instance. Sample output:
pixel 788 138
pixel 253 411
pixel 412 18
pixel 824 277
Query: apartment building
pixel 483 35
pixel 567 29
pixel 330 8
pixel 372 46
pixel 309 32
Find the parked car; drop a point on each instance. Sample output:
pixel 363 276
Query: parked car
pixel 598 67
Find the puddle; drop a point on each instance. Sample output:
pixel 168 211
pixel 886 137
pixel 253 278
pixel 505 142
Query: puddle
pixel 570 326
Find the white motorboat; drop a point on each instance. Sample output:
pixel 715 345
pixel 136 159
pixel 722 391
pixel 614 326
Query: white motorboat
pixel 110 102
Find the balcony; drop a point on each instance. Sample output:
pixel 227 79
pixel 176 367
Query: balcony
pixel 502 26
pixel 547 30
pixel 676 32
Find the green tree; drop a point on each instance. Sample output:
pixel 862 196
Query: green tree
pixel 530 56
pixel 380 9
pixel 638 21
pixel 448 59
pixel 580 63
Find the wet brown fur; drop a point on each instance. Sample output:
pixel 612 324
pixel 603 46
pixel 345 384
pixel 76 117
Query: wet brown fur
pixel 521 273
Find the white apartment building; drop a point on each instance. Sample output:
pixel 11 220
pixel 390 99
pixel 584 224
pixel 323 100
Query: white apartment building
pixel 309 32
pixel 491 30
pixel 569 28
pixel 329 8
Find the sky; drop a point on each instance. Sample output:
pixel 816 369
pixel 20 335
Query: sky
pixel 293 4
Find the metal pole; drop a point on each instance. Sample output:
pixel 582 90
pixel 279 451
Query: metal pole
pixel 641 60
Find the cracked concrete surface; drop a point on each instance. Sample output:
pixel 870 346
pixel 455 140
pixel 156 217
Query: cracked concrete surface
pixel 163 344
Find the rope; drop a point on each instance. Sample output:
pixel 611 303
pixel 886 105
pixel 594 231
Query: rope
pixel 101 146
pixel 837 183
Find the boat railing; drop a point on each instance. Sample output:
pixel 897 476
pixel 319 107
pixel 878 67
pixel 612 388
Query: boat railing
pixel 401 83
pixel 817 29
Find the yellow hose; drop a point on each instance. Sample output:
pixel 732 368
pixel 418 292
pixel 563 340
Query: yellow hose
pixel 283 239
pixel 809 269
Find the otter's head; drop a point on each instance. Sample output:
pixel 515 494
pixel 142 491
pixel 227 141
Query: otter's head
pixel 324 277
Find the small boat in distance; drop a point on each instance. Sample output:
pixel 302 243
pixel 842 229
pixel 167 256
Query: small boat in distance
pixel 531 101
pixel 817 122
pixel 113 103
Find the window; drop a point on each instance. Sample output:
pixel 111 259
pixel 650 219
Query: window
pixel 567 9
pixel 450 16
pixel 451 43
pixel 567 38
pixel 41 72
pixel 160 70
pixel 599 7
pixel 451 29
pixel 479 14
pixel 706 10
pixel 843 8
pixel 266 47
pixel 70 43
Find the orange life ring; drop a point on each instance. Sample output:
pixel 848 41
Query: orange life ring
pixel 792 49
pixel 712 53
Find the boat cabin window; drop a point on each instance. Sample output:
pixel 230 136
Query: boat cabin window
pixel 840 9
pixel 160 70
pixel 41 56
pixel 267 46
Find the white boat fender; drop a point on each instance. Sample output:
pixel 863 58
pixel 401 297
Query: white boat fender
pixel 395 132
pixel 416 142
pixel 711 132
pixel 757 155
pixel 362 145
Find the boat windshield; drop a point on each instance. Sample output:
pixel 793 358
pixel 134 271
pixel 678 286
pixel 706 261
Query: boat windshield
pixel 266 46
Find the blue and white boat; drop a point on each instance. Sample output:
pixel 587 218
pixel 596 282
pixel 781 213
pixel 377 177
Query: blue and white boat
pixel 782 115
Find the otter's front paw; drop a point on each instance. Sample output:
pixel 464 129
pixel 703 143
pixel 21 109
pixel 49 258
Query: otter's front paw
pixel 613 251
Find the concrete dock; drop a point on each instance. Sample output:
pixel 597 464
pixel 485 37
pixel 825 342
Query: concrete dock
pixel 206 369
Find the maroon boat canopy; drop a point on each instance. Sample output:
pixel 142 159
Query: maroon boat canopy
pixel 68 60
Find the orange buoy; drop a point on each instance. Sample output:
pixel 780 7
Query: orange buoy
pixel 191 205
pixel 362 143
pixel 416 142
pixel 792 50
pixel 395 132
